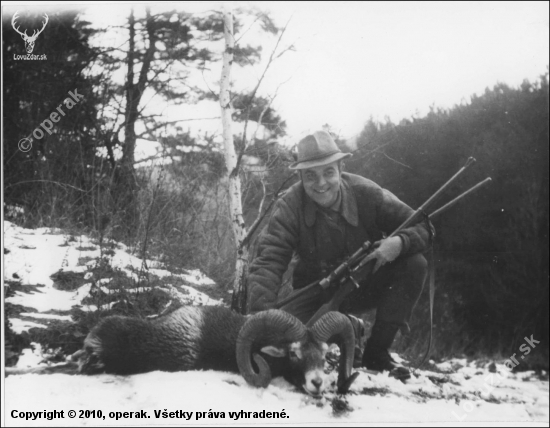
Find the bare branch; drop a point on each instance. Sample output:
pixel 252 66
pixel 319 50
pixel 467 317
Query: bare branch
pixel 271 59
pixel 253 94
pixel 248 29
pixel 396 161
pixel 160 125
pixel 206 83
pixel 47 181
pixel 264 111
pixel 262 180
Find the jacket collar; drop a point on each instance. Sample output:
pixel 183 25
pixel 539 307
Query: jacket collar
pixel 348 209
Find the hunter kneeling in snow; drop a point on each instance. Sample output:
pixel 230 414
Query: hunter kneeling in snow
pixel 324 219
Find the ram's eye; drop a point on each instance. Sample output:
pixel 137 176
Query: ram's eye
pixel 294 351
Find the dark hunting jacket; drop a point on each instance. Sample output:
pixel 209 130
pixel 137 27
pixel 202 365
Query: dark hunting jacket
pixel 322 239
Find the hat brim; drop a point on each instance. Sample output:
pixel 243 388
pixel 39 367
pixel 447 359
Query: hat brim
pixel 319 162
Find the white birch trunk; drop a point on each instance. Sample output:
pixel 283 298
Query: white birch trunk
pixel 234 182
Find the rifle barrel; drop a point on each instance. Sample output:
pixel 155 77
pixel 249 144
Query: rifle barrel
pixel 420 210
pixel 458 198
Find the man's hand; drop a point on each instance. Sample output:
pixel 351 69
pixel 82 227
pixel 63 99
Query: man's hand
pixel 386 251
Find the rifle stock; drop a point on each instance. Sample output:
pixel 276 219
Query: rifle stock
pixel 313 289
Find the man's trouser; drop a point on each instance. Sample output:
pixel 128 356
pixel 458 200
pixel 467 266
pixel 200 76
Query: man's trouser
pixel 393 290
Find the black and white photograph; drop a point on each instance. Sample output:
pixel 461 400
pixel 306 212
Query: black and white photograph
pixel 224 213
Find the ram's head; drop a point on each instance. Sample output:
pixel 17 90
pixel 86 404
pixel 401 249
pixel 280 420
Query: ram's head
pixel 302 350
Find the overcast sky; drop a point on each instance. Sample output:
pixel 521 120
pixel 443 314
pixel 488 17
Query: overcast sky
pixel 354 60
pixel 396 59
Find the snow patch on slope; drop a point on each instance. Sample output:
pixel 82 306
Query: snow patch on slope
pixel 34 255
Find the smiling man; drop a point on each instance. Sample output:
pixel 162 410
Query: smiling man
pixel 324 219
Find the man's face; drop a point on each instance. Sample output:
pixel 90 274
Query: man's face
pixel 322 183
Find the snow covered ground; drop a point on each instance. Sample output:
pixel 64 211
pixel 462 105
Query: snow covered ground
pixel 460 392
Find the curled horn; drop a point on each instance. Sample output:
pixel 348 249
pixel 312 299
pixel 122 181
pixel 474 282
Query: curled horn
pixel 269 327
pixel 338 326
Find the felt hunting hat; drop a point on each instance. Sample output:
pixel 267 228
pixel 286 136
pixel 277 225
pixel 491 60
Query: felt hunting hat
pixel 317 149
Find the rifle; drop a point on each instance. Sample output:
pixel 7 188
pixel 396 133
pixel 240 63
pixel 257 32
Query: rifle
pixel 355 269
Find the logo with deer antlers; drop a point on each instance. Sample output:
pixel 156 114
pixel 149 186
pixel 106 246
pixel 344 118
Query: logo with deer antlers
pixel 29 40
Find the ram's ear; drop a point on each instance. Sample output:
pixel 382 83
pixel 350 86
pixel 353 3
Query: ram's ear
pixel 274 351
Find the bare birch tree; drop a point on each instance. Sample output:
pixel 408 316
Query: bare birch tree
pixel 234 182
